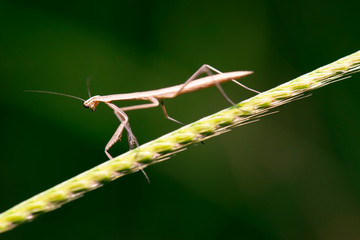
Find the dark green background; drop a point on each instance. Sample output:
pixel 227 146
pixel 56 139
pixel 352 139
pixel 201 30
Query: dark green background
pixel 293 175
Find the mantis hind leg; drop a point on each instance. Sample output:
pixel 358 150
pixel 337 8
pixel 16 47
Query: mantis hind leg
pixel 203 69
pixel 208 70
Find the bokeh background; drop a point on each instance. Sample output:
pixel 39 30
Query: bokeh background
pixel 293 175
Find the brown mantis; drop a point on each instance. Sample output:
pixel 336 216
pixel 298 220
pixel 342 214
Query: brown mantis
pixel 155 97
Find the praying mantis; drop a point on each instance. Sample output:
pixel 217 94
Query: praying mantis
pixel 156 98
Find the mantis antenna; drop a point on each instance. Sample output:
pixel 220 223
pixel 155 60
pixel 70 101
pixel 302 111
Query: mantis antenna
pixel 88 86
pixel 56 93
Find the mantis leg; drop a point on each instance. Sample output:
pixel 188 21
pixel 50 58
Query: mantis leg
pixel 124 119
pixel 170 118
pixel 203 69
pixel 117 135
pixel 208 70
pixel 154 103
pixel 133 143
pixel 233 80
pixel 167 116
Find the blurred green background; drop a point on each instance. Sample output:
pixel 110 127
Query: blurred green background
pixel 293 175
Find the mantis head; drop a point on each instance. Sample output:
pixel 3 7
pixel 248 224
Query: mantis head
pixel 91 103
